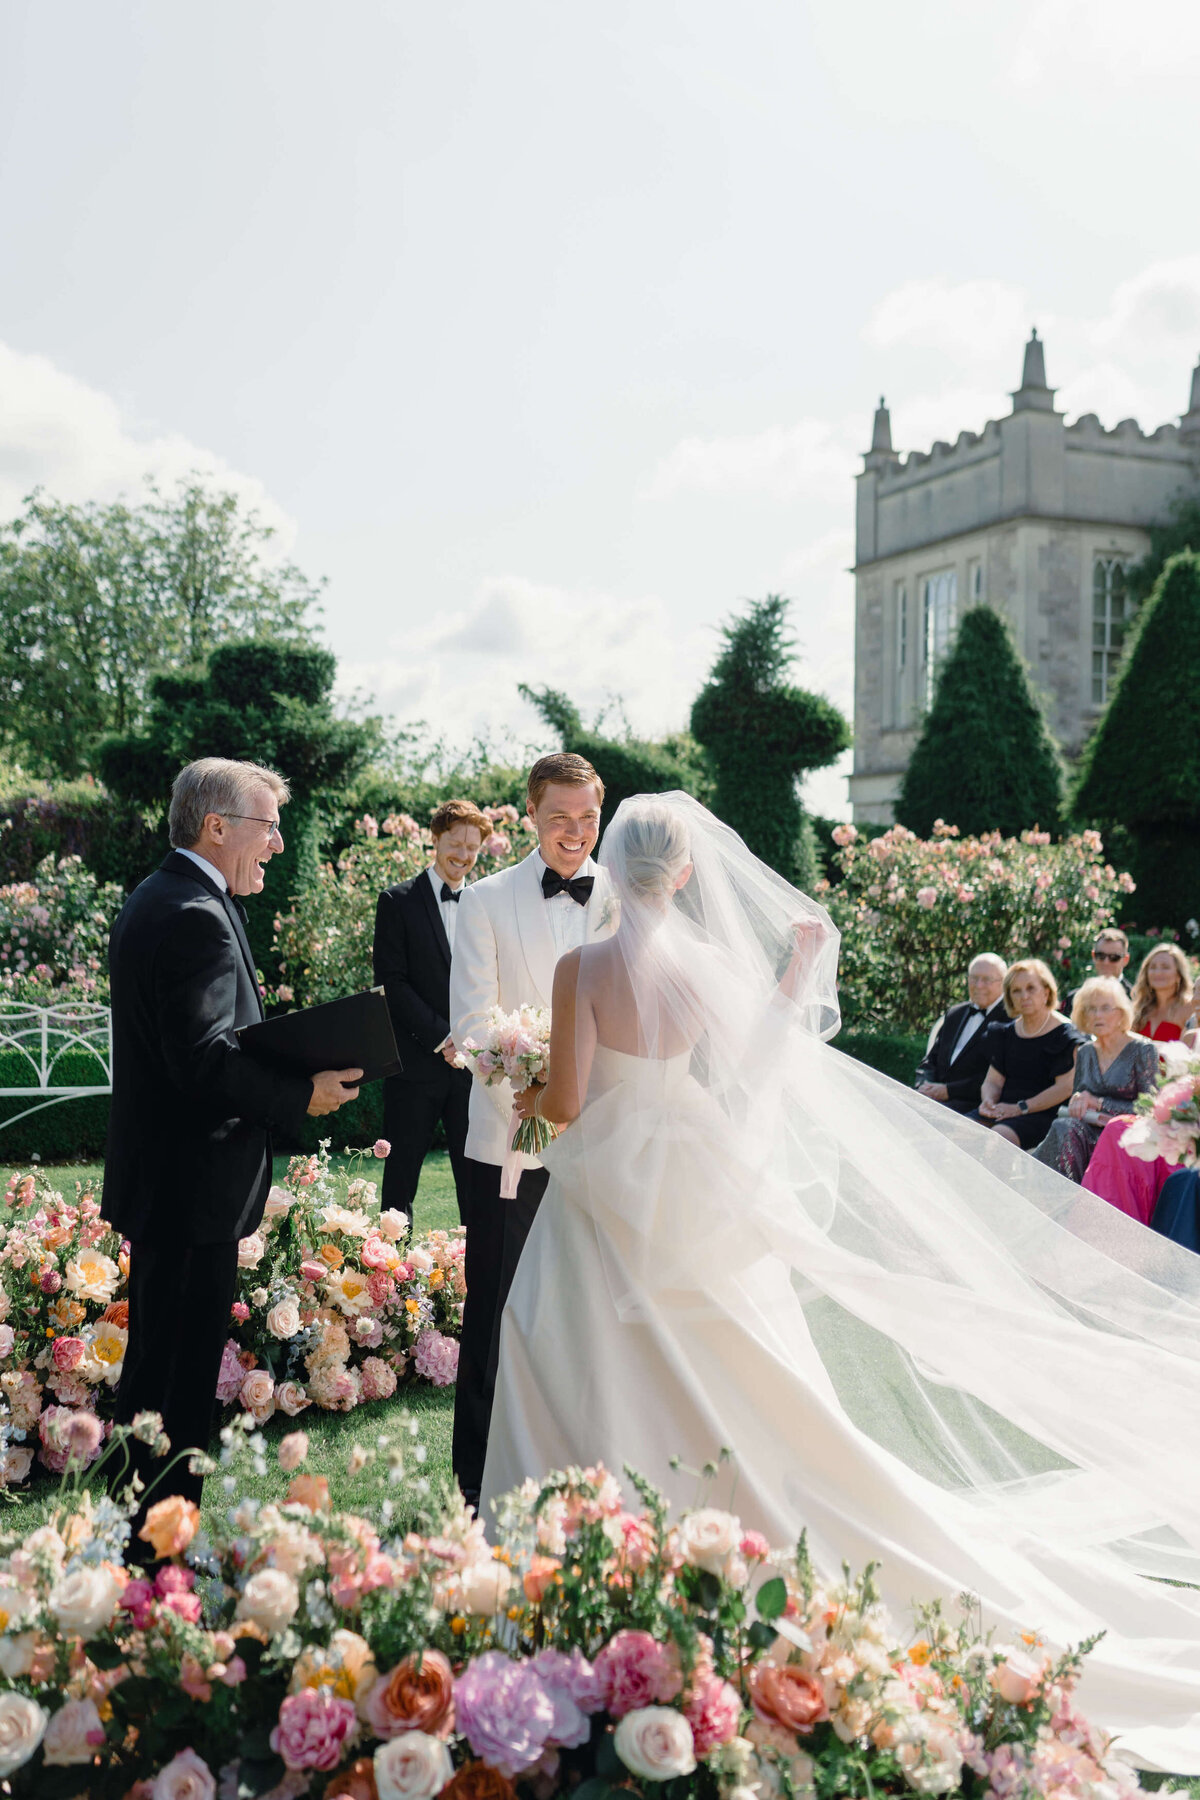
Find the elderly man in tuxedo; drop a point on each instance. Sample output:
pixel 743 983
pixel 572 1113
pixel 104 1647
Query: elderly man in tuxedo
pixel 188 1161
pixel 415 926
pixel 513 927
pixel 955 1062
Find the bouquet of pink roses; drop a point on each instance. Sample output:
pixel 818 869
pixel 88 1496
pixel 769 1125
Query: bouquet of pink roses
pixel 1168 1121
pixel 515 1048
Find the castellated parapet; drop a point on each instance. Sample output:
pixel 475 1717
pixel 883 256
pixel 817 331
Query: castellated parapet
pixel 1031 515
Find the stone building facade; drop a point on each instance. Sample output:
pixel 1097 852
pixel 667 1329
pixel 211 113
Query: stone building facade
pixel 1031 515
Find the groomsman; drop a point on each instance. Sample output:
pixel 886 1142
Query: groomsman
pixel 956 1061
pixel 415 926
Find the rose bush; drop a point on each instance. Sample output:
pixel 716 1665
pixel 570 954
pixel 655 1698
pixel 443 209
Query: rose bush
pixel 54 934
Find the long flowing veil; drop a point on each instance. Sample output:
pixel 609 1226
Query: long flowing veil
pixel 1026 1351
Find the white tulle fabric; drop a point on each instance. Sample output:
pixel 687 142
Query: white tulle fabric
pixel 920 1344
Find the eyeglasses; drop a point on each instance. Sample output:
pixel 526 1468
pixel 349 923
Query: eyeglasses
pixel 1107 955
pixel 252 819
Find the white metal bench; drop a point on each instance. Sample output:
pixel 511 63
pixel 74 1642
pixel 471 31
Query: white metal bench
pixel 41 1035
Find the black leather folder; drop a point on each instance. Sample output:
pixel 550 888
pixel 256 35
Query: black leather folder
pixel 354 1032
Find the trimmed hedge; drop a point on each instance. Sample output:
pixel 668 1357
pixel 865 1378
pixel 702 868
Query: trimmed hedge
pixel 892 1053
pixel 67 1131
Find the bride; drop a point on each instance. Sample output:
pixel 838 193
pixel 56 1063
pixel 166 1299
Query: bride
pixel 920 1344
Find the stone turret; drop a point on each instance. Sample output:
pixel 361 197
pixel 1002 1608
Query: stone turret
pixel 1189 425
pixel 1033 395
pixel 881 455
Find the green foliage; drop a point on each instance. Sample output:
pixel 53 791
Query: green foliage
pixel 94 599
pixel 1181 532
pixel 894 1053
pixel 985 760
pixel 265 702
pixel 71 818
pixel 627 765
pixel 54 933
pixel 762 735
pixel 1140 770
pixel 69 1128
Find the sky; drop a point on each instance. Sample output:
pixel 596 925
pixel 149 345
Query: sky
pixel 551 334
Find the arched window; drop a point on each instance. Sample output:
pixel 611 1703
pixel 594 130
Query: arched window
pixel 1112 609
pixel 939 597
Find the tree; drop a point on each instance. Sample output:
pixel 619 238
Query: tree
pixel 1140 770
pixel 985 759
pixel 762 735
pixel 1181 532
pixel 262 702
pixel 95 599
pixel 626 765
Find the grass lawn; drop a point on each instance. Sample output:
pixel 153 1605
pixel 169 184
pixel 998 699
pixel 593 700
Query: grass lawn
pixel 332 1435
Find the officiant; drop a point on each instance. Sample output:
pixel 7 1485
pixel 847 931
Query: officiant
pixel 415 924
pixel 955 1061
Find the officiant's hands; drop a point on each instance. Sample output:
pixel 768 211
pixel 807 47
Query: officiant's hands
pixel 330 1090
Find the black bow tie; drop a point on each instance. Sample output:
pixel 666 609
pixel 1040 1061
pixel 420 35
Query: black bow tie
pixel 579 886
pixel 449 893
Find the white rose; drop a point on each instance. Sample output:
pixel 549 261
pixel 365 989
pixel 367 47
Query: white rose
pixel 484 1587
pixel 18 1460
pixel 251 1251
pixel 74 1734
pixel 16 1654
pixel 270 1599
pixel 283 1320
pixel 291 1398
pixel 420 1260
pixel 279 1201
pixel 709 1538
pixel 22 1727
pixel 931 1760
pixel 393 1224
pixel 413 1766
pixel 655 1743
pixel 185 1777
pixel 84 1602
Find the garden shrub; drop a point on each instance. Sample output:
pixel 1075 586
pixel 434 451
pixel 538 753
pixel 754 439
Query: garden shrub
pixel 54 932
pixel 73 818
pixel 893 1053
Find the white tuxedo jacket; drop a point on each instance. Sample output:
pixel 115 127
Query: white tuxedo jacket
pixel 505 955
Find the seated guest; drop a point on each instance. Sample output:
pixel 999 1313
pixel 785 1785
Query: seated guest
pixel 1110 1073
pixel 1162 995
pixel 1177 1214
pixel 414 940
pixel 1110 956
pixel 1125 1181
pixel 1031 1062
pixel 955 1062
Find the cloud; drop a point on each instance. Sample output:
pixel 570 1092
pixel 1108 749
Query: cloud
pixel 963 320
pixel 60 434
pixel 814 457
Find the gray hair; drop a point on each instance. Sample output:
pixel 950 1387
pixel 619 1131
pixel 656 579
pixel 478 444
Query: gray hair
pixel 213 784
pixel 992 960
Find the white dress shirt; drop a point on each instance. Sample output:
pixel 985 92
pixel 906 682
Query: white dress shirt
pixel 210 869
pixel 447 908
pixel 970 1026
pixel 568 920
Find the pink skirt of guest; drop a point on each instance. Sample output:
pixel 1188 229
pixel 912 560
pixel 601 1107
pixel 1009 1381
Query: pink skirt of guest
pixel 1124 1181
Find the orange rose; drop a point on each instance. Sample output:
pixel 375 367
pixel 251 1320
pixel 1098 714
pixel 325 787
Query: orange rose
pixel 355 1783
pixel 116 1313
pixel 170 1525
pixel 475 1781
pixel 539 1576
pixel 311 1491
pixel 56 1237
pixel 330 1254
pixel 418 1695
pixel 787 1696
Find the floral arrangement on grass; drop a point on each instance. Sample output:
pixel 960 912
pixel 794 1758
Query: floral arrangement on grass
pixel 914 911
pixel 335 1306
pixel 324 942
pixel 598 1650
pixel 1168 1120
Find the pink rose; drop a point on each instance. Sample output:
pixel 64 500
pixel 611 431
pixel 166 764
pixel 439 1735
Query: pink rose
pixel 312 1271
pixel 240 1311
pixel 291 1398
pixel 1016 1679
pixel 381 1148
pixel 185 1777
pixel 634 1671
pixel 257 1395
pixel 68 1353
pixel 313 1728
pixel 1179 1092
pixel 754 1546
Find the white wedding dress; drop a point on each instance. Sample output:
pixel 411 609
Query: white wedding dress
pixel 920 1345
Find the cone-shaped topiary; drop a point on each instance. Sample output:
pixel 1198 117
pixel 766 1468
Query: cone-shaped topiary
pixel 1140 770
pixel 985 759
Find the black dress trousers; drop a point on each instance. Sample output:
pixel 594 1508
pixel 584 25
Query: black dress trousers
pixel 411 1110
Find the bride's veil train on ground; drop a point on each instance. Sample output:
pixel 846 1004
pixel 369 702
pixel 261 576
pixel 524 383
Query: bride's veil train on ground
pixel 922 1345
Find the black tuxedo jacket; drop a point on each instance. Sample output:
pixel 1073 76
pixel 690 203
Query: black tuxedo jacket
pixel 188 1159
pixel 412 963
pixel 963 1075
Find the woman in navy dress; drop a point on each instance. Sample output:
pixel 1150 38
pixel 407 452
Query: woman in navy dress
pixel 1031 1062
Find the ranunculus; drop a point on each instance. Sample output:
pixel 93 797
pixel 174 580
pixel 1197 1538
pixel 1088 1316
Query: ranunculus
pixel 74 1734
pixel 655 1743
pixel 251 1251
pixel 708 1538
pixel 271 1599
pixel 484 1587
pixel 418 1695
pixel 292 1450
pixel 283 1320
pixel 84 1602
pixel 412 1767
pixel 68 1352
pixel 381 1148
pixel 186 1777
pixel 393 1224
pixel 22 1726
pixel 787 1696
pixel 313 1728
pixel 170 1525
pixel 257 1395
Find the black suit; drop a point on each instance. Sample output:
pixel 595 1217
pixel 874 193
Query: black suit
pixel 962 1075
pixel 188 1159
pixel 412 963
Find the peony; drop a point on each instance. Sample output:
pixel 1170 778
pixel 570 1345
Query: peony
pixel 503 1712
pixel 84 1602
pixel 291 1398
pixel 635 1671
pixel 22 1727
pixel 74 1734
pixel 418 1695
pixel 713 1711
pixel 314 1725
pixel 91 1276
pixel 787 1696
pixel 283 1320
pixel 483 1587
pixel 186 1777
pixel 393 1224
pixel 436 1358
pixel 349 1289
pixel 708 1538
pixel 104 1352
pixel 412 1767
pixel 271 1599
pixel 348 1220
pixel 251 1251
pixel 293 1449
pixel 257 1395
pixel 655 1743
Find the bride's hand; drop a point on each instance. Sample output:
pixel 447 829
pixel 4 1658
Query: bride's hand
pixel 523 1103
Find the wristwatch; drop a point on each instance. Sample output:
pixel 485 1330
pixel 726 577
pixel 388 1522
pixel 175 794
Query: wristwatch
pixel 1022 1106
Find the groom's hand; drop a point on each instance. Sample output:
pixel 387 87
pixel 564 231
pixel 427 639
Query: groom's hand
pixel 330 1090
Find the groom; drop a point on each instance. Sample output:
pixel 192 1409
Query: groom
pixel 512 929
